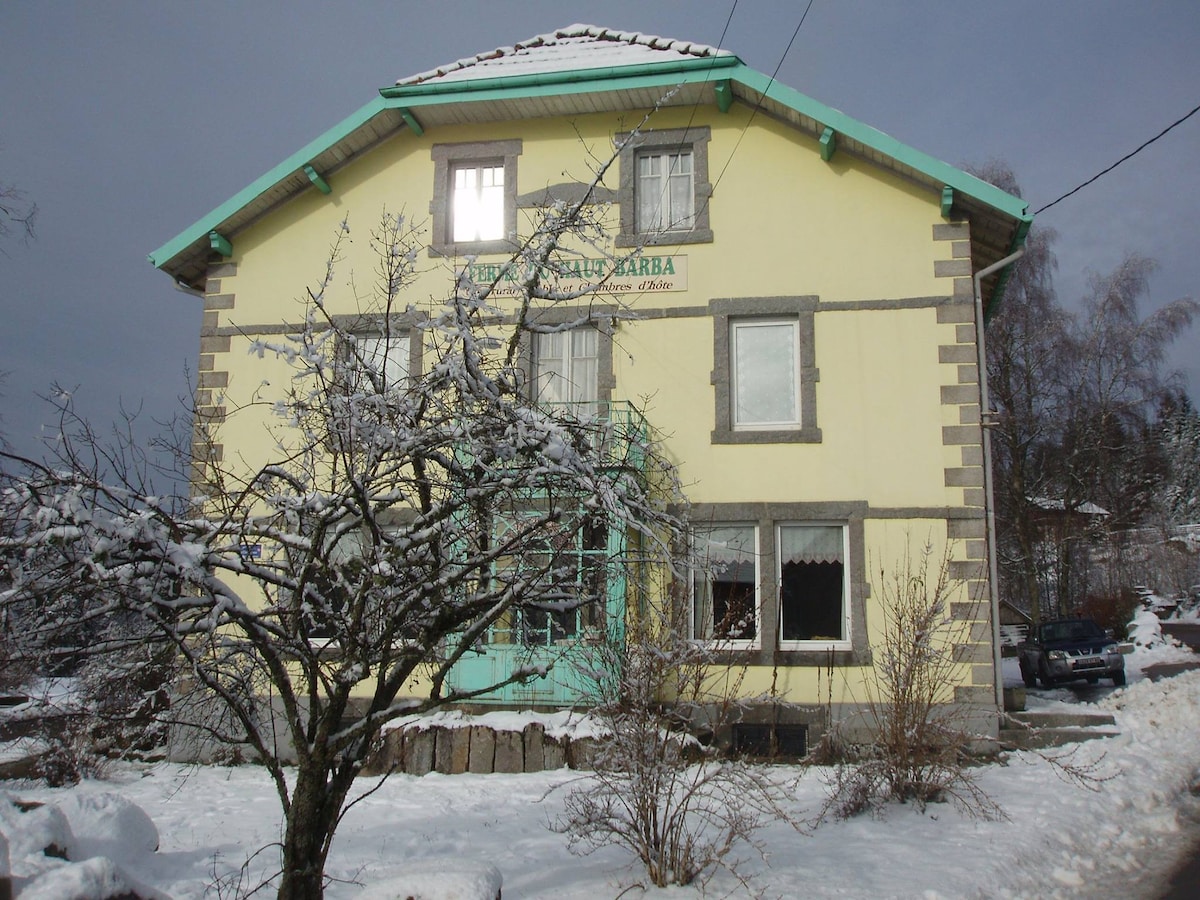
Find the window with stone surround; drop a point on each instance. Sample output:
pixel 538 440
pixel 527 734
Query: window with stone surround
pixel 664 191
pixel 781 583
pixel 814 603
pixel 474 205
pixel 374 360
pixel 725 585
pixel 566 369
pixel 764 370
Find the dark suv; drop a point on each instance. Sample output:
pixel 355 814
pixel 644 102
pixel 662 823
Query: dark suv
pixel 1070 649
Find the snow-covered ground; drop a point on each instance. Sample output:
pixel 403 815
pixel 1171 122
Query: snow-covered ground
pixel 1118 839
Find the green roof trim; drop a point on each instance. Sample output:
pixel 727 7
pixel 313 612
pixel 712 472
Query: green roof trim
pixel 320 183
pixel 828 144
pixel 947 201
pixel 854 130
pixel 220 244
pixel 294 163
pixel 1006 272
pixel 723 70
pixel 724 93
pixel 411 121
pixel 542 83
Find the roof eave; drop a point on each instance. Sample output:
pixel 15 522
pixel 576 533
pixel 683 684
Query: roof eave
pixel 723 68
pixel 538 83
pixel 162 257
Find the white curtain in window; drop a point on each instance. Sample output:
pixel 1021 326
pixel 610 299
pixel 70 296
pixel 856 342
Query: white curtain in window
pixel 765 373
pixel 387 356
pixel 728 552
pixel 665 192
pixel 810 544
pixel 567 365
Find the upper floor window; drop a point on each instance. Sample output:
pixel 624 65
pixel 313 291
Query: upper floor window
pixel 664 189
pixel 764 370
pixel 765 365
pixel 388 358
pixel 474 206
pixel 666 198
pixel 566 369
pixel 478 209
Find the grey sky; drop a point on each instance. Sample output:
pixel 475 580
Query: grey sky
pixel 128 121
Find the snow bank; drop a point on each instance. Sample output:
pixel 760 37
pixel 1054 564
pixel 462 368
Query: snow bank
pixel 93 879
pixel 108 825
pixel 567 723
pixel 448 879
pixel 75 848
pixel 30 833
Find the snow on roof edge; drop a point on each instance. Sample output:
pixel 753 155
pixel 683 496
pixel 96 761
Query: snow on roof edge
pixel 598 34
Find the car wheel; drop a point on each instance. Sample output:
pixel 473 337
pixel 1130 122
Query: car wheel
pixel 1047 681
pixel 1119 679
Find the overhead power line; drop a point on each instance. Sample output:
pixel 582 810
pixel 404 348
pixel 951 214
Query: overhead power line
pixel 762 97
pixel 1129 155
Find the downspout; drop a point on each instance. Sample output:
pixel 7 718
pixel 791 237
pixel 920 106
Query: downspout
pixel 988 487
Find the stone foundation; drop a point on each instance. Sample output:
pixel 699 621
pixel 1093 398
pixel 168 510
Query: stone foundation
pixel 417 750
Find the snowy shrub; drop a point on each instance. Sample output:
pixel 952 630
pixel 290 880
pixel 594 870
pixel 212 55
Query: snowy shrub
pixel 1145 630
pixel 919 738
pixel 125 691
pixel 93 879
pixel 68 758
pixel 680 806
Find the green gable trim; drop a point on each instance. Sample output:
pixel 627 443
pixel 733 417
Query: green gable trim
pixel 877 140
pixel 1006 272
pixel 724 94
pixel 539 84
pixel 828 144
pixel 294 163
pixel 320 183
pixel 411 121
pixel 220 244
pixel 947 201
pixel 696 70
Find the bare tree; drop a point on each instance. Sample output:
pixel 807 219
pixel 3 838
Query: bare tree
pixel 1028 382
pixel 679 803
pixel 1074 393
pixel 400 520
pixel 18 214
pixel 919 737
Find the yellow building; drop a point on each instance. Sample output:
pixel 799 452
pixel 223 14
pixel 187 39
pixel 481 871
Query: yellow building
pixel 800 326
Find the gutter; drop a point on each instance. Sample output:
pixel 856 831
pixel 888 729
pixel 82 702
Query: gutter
pixel 548 79
pixel 988 487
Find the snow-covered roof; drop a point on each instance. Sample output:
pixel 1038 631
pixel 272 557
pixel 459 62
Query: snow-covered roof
pixel 1057 504
pixel 567 49
pixel 586 69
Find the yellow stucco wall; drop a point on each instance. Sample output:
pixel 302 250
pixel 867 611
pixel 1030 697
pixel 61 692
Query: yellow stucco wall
pixel 785 223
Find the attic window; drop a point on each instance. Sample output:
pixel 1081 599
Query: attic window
pixel 477 212
pixel 474 205
pixel 664 190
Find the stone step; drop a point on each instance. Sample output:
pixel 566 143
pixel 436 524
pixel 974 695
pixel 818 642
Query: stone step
pixel 1046 738
pixel 1060 719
